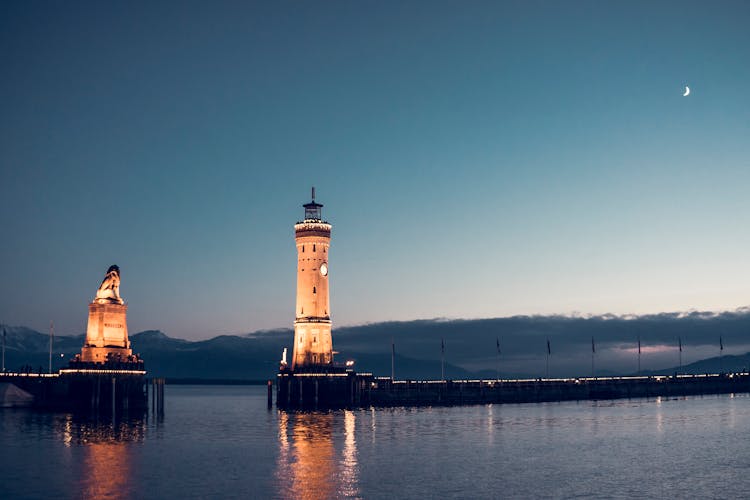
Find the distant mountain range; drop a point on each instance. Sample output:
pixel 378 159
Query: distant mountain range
pixel 720 364
pixel 226 357
pixel 471 347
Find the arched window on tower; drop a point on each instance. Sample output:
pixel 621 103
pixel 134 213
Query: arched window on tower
pixel 303 248
pixel 313 247
pixel 314 291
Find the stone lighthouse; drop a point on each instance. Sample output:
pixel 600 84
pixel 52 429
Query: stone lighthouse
pixel 313 349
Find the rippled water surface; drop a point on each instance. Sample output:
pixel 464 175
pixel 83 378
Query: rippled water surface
pixel 222 442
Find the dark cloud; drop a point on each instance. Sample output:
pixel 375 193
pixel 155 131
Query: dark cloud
pixel 523 340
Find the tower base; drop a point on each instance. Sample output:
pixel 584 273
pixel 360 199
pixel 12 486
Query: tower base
pixel 93 354
pixel 107 334
pixel 105 390
pixel 334 389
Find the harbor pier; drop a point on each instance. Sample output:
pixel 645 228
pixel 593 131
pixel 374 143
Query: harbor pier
pixel 329 389
pixel 386 392
pixel 103 390
pixel 351 390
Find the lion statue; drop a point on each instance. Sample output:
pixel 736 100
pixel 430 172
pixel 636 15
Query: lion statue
pixel 109 290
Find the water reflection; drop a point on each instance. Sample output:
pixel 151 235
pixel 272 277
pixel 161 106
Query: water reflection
pixel 659 415
pixel 81 430
pixel 106 465
pixel 349 467
pixel 317 455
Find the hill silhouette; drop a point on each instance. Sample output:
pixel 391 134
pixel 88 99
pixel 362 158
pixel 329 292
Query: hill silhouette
pixel 470 347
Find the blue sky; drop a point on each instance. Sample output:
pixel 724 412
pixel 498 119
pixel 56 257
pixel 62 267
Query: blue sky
pixel 476 159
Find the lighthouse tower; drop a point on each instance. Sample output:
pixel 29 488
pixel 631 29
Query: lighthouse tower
pixel 313 349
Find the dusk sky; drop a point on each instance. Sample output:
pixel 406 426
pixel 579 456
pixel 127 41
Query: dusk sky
pixel 476 159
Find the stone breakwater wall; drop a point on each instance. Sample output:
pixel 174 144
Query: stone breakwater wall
pixel 97 391
pixel 453 392
pixel 363 390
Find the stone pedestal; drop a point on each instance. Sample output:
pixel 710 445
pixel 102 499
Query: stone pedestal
pixel 107 334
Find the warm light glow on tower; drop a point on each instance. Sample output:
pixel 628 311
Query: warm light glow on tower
pixel 313 347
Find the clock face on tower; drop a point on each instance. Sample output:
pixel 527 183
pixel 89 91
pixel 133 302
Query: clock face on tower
pixel 324 269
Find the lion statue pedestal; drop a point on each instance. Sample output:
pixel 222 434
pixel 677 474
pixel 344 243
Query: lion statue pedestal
pixel 107 331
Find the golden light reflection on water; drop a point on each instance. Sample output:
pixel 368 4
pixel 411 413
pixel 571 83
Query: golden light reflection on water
pixel 106 471
pixel 491 421
pixel 106 467
pixel 317 455
pixel 659 416
pixel 349 466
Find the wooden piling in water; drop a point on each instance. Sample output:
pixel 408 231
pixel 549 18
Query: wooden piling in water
pixel 157 396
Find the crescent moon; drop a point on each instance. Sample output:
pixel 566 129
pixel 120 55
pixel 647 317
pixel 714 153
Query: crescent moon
pixel 687 91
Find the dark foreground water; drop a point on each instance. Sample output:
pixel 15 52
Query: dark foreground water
pixel 222 442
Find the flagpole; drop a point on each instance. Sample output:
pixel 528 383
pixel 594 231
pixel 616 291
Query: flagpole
pixel 549 351
pixel 639 354
pixel 721 355
pixel 51 337
pixel 442 359
pixel 497 363
pixel 393 359
pixel 593 353
pixel 4 332
pixel 679 340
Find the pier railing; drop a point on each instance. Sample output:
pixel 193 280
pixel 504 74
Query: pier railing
pixel 387 392
pixel 358 390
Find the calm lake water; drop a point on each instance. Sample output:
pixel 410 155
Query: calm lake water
pixel 222 442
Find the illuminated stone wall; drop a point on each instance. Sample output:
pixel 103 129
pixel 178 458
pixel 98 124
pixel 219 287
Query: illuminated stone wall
pixel 107 333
